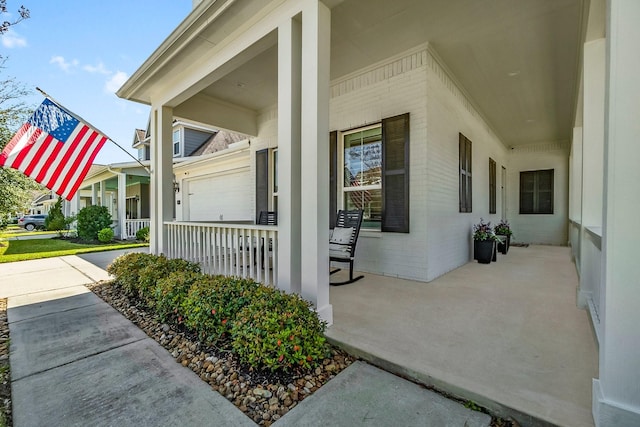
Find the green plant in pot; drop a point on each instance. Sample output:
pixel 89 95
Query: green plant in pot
pixel 504 233
pixel 484 242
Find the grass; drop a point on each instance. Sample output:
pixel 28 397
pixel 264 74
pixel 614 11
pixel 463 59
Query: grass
pixel 21 232
pixel 21 250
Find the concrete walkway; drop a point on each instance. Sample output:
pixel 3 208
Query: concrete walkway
pixel 507 335
pixel 76 361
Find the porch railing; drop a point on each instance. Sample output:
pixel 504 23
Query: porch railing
pixel 248 251
pixel 132 226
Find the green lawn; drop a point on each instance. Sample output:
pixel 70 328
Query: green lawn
pixel 21 250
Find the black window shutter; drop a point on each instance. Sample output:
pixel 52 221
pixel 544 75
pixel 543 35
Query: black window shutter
pixel 395 174
pixel 333 178
pixel 262 181
pixel 464 167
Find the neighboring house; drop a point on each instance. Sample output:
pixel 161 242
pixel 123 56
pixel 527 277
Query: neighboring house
pixel 42 202
pixel 428 115
pixel 124 188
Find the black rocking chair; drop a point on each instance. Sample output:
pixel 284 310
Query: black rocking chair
pixel 342 243
pixel 266 218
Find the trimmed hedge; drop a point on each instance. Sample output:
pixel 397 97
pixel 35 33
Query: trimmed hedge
pixel 277 330
pixel 211 306
pixel 267 328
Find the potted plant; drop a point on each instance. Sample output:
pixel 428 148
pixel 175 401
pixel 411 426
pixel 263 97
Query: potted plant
pixel 484 242
pixel 503 231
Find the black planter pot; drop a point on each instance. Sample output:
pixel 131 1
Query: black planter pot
pixel 503 247
pixel 484 251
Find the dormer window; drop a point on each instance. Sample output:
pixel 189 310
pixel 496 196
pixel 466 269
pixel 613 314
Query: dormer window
pixel 176 142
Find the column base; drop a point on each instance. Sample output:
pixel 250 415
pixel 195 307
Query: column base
pixel 326 314
pixel 610 414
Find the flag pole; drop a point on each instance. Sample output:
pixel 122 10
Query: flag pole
pixel 95 128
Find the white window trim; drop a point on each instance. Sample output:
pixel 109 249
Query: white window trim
pixel 340 173
pixel 180 140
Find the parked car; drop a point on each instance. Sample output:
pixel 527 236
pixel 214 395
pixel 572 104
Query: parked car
pixel 31 222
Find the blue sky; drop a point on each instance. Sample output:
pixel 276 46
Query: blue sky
pixel 81 52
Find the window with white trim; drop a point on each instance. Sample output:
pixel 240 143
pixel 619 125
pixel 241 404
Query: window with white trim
pixel 176 142
pixel 362 173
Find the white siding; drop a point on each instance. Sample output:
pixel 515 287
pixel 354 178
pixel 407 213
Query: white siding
pixel 540 229
pixel 449 112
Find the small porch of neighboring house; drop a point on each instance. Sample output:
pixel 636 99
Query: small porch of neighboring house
pixel 506 335
pixel 124 190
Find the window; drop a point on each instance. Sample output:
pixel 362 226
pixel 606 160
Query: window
pixel 369 170
pixel 536 192
pixel 465 190
pixel 176 142
pixel 492 186
pixel 362 174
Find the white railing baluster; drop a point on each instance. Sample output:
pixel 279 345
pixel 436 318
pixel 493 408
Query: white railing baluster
pixel 229 249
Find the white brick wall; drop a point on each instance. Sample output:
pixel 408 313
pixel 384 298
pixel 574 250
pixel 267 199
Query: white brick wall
pixel 448 113
pixel 385 90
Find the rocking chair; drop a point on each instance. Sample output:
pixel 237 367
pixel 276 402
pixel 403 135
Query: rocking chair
pixel 342 242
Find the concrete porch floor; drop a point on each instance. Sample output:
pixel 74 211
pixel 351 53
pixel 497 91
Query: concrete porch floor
pixel 507 335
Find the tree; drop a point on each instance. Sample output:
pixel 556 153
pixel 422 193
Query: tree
pixel 16 190
pixel 56 221
pixel 23 14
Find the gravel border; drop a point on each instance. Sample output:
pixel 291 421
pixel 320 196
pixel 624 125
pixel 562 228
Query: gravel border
pixel 5 371
pixel 262 396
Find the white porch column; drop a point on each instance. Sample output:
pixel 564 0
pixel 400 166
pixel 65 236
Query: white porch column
pixel 161 177
pixel 316 32
pixel 94 194
pixel 122 204
pixel 289 105
pixel 616 395
pixel 103 195
pixel 592 164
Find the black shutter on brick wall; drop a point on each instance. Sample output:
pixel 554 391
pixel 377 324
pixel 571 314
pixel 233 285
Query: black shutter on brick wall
pixel 262 181
pixel 333 178
pixel 395 174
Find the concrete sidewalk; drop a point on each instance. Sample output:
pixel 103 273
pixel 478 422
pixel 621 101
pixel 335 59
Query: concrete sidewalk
pixel 76 361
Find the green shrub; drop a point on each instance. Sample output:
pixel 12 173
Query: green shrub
pixel 160 268
pixel 91 220
pixel 56 221
pixel 143 234
pixel 105 235
pixel 279 331
pixel 171 291
pixel 138 273
pixel 211 306
pixel 126 270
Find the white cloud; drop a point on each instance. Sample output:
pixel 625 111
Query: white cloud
pixel 115 82
pixel 99 68
pixel 12 40
pixel 62 63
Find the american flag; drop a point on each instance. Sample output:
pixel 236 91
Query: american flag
pixel 54 148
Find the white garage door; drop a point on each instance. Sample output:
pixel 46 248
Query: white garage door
pixel 224 197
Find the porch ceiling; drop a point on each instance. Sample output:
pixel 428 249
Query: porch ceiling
pixel 517 60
